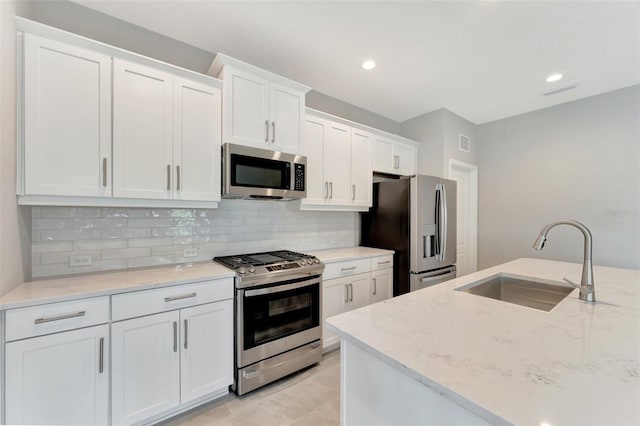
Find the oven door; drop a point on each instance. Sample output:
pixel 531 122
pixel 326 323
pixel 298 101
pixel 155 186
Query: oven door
pixel 271 320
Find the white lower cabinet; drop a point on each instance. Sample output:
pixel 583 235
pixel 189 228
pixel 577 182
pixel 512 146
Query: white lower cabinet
pixel 381 285
pixel 164 360
pixel 146 367
pixel 59 378
pixel 352 284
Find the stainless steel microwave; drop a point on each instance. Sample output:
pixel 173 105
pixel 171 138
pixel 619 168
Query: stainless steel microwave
pixel 253 173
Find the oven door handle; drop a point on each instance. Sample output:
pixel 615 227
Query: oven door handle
pixel 280 288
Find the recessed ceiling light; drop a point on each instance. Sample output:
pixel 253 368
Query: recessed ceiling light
pixel 369 64
pixel 553 77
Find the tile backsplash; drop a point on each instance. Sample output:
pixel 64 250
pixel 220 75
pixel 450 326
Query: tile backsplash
pixel 120 238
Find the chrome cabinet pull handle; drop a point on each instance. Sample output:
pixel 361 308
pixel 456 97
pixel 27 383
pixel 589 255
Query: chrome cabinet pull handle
pixel 266 135
pixel 186 333
pixel 351 287
pixel 384 263
pixel 60 317
pixel 330 189
pixel 175 336
pixel 353 197
pixel 375 287
pixel 346 290
pixel 104 172
pixel 273 137
pixel 326 189
pixel 348 269
pixel 101 359
pixel 168 177
pixel 178 178
pixel 183 296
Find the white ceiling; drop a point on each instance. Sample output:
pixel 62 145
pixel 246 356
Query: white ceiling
pixel 483 60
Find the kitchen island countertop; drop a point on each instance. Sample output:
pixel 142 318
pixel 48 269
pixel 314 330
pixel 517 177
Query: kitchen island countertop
pixel 505 363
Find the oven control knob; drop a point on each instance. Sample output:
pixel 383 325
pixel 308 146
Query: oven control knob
pixel 242 270
pixel 252 269
pixel 302 262
pixel 316 261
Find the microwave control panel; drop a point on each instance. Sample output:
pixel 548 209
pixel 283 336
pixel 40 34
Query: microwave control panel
pixel 298 181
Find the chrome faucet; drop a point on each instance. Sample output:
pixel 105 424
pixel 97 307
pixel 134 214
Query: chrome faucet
pixel 587 290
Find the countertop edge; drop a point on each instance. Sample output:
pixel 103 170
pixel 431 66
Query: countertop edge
pixel 436 387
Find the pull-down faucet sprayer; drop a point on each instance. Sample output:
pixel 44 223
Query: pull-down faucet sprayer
pixel 587 290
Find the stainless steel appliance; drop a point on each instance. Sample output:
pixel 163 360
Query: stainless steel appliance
pixel 253 173
pixel 416 217
pixel 277 315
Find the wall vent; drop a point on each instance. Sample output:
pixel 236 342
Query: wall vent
pixel 464 143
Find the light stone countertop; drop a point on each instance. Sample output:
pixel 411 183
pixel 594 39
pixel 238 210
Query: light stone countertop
pixel 348 253
pixel 575 365
pixel 101 284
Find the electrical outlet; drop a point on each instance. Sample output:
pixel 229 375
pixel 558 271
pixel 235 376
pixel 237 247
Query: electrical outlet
pixel 80 261
pixel 190 252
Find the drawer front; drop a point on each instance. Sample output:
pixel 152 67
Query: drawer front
pixel 346 268
pixel 55 317
pixel 139 303
pixel 382 262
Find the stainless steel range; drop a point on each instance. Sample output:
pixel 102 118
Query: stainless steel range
pixel 277 315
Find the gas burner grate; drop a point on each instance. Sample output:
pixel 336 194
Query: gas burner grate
pixel 259 259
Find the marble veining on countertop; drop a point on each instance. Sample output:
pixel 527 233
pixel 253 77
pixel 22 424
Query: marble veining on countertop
pixel 577 364
pixel 348 253
pixel 101 284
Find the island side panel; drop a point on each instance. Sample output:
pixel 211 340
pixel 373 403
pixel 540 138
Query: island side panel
pixel 374 393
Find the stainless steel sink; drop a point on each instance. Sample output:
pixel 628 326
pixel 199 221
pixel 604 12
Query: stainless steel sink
pixel 524 291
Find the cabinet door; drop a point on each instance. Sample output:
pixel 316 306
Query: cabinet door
pixel 313 148
pixel 206 349
pixel 245 109
pixel 142 131
pixel 196 141
pixel 405 159
pixel 59 378
pixel 286 110
pixel 146 367
pixel 334 298
pixel 381 285
pixel 383 152
pixel 67 119
pixel 337 163
pixel 361 173
pixel 359 292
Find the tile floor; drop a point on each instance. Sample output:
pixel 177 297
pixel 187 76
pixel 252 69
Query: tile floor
pixel 308 398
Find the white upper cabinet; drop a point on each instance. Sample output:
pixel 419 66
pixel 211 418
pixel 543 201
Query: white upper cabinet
pixel 338 165
pixel 361 173
pixel 142 131
pixel 166 140
pixel 394 156
pixel 260 109
pixel 106 127
pixel 196 140
pixel 67 119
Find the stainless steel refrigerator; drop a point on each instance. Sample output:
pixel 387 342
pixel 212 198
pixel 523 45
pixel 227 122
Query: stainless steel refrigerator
pixel 416 217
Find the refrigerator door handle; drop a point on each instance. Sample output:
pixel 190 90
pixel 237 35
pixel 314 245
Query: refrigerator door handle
pixel 447 274
pixel 437 230
pixel 424 246
pixel 443 222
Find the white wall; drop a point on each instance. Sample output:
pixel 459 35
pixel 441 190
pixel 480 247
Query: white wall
pixel 120 238
pixel 578 160
pixel 14 221
pixel 437 132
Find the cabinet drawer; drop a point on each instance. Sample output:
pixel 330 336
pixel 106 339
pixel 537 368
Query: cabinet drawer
pixel 139 303
pixel 346 268
pixel 382 262
pixel 55 317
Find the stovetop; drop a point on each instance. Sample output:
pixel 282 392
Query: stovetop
pixel 281 263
